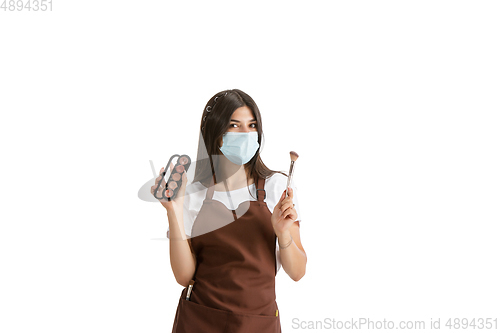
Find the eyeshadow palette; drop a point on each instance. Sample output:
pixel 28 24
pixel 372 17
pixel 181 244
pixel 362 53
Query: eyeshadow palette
pixel 174 182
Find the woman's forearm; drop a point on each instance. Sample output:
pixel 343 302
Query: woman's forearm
pixel 293 259
pixel 182 260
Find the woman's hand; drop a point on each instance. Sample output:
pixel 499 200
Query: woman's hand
pixel 176 205
pixel 284 213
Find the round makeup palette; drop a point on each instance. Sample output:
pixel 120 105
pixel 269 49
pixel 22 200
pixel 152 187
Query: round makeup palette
pixel 174 182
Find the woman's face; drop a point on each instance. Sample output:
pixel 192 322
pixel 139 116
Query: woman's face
pixel 243 120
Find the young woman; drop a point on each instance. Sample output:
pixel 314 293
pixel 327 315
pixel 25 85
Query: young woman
pixel 233 227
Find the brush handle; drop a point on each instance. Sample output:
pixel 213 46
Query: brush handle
pixel 290 174
pixel 190 288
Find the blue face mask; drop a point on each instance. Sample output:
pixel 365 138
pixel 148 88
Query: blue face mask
pixel 239 147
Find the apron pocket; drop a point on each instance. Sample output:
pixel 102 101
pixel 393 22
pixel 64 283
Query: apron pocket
pixel 192 317
pixel 250 323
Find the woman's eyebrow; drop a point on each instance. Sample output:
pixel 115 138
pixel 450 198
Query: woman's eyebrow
pixel 239 121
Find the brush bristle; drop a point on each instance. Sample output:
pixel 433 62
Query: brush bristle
pixel 294 156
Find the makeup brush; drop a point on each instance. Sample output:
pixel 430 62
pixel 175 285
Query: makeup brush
pixel 190 287
pixel 293 157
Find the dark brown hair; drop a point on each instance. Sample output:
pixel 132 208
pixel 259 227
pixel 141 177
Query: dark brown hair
pixel 215 121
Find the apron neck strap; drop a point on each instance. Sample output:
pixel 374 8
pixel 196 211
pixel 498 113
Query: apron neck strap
pixel 261 192
pixel 210 192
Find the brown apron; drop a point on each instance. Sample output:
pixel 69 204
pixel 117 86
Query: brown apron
pixel 234 289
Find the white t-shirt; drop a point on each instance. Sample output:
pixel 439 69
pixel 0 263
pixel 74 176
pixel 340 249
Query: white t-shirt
pixel 274 186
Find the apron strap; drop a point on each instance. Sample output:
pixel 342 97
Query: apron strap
pixel 260 188
pixel 210 191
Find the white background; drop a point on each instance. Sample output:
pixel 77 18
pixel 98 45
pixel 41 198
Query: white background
pixel 393 107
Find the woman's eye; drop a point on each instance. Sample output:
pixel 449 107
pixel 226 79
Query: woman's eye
pixel 253 125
